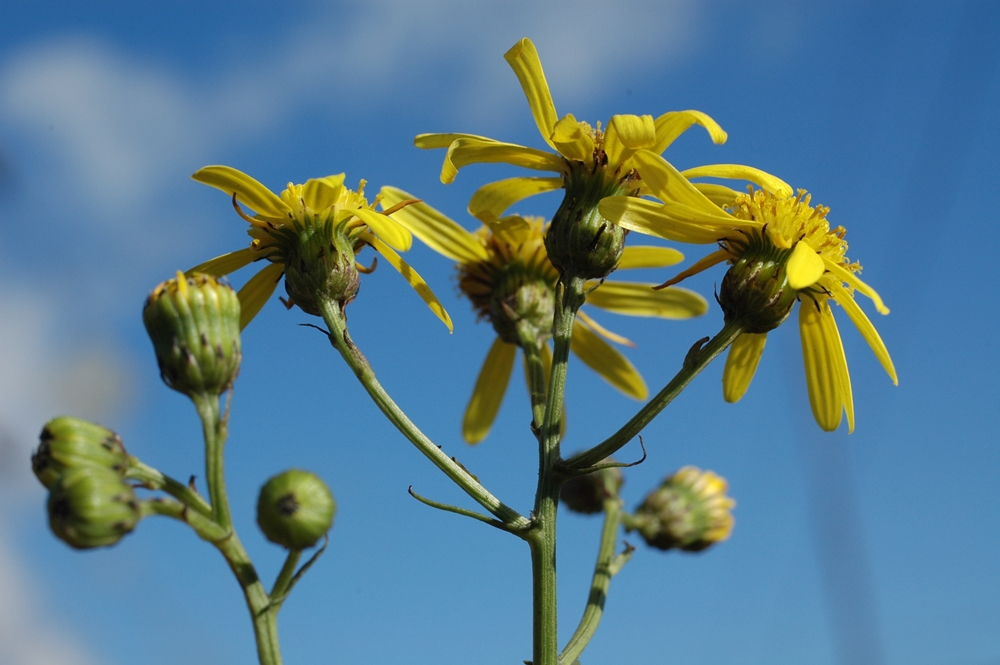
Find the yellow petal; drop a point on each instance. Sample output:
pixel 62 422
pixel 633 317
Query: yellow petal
pixel 392 232
pixel 865 327
pixel 434 229
pixel 671 125
pixel 626 134
pixel 257 291
pixel 741 364
pixel 463 152
pixel 825 364
pixel 639 299
pixel 763 179
pixel 412 277
pixel 227 263
pixel 639 256
pixel 248 191
pixel 604 332
pixel 523 59
pixel 667 184
pixel 720 195
pixel 804 267
pixel 491 201
pixel 572 141
pixel 672 223
pixel 489 391
pixel 704 263
pixel 321 193
pixel 606 361
pixel 432 141
pixel 846 275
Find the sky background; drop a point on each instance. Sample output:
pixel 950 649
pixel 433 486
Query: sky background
pixel 875 548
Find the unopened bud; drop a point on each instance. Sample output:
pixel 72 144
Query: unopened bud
pixel 194 323
pixel 689 511
pixel 68 443
pixel 587 494
pixel 295 509
pixel 92 507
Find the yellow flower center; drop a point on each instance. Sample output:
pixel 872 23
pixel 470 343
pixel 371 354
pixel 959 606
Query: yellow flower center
pixel 789 220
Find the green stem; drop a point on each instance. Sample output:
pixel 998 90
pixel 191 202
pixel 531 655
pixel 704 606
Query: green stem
pixel 334 317
pixel 263 612
pixel 202 524
pixel 154 480
pixel 604 570
pixel 280 587
pixel 535 368
pixel 698 358
pixel 542 539
pixel 215 430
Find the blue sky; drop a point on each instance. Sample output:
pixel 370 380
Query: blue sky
pixel 877 547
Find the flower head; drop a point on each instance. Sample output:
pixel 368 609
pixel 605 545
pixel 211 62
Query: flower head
pixel 309 234
pixel 590 162
pixel 688 511
pixel 781 249
pixel 506 274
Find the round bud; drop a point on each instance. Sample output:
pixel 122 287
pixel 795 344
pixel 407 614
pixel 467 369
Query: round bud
pixel 92 507
pixel 689 511
pixel 319 265
pixel 295 509
pixel 581 242
pixel 68 443
pixel 755 290
pixel 587 494
pixel 194 323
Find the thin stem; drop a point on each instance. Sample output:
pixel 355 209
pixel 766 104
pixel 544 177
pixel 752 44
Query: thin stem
pixel 215 431
pixel 535 367
pixel 569 297
pixel 334 317
pixel 285 576
pixel 603 572
pixel 154 480
pixel 202 524
pixel 263 613
pixel 698 358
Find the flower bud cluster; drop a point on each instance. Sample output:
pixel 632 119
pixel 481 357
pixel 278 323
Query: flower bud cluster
pixel 83 466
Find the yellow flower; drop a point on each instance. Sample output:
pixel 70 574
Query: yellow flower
pixel 506 274
pixel 576 143
pixel 321 205
pixel 765 235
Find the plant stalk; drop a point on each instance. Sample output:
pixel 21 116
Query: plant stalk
pixel 698 358
pixel 334 317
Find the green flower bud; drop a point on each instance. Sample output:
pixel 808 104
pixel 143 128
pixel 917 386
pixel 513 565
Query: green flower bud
pixel 68 443
pixel 194 323
pixel 92 507
pixel 319 264
pixel 587 494
pixel 295 509
pixel 581 242
pixel 755 290
pixel 689 511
